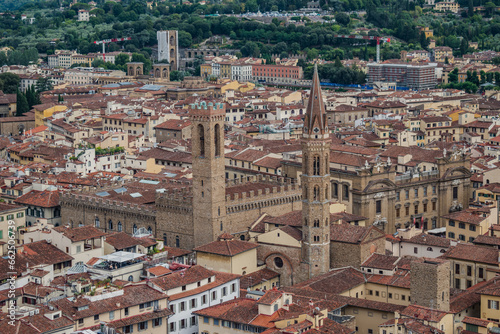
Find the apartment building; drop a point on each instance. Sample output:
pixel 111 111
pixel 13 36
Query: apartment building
pixel 411 75
pixel 277 73
pixel 193 289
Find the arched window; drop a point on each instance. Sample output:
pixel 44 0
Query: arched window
pixel 305 221
pixel 316 223
pixel 429 249
pixel 110 224
pixel 316 193
pixel 201 134
pixel 316 165
pixel 242 237
pixel 120 226
pixel 80 224
pixel 97 222
pixel 177 241
pixel 134 228
pixel 164 239
pixel 217 139
pixel 221 226
pixel 150 230
pixel 131 278
pixel 305 192
pixel 172 40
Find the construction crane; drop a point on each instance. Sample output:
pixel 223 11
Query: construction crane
pixel 368 38
pixel 106 41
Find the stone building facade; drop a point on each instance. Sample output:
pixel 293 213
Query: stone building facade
pixel 392 199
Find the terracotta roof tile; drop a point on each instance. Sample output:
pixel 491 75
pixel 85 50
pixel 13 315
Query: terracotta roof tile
pixel 226 245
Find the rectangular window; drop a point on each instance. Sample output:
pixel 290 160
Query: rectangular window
pixel 157 322
pixel 96 317
pixel 457 283
pixel 203 299
pixel 416 192
pixel 345 192
pixel 111 315
pixel 493 304
pixel 206 320
pixel 397 195
pixel 142 326
pixel 398 213
pixel 233 287
pixel 461 225
pixel 415 250
pixel 457 268
pixel 128 329
pixel 425 191
pixel 451 223
pixel 469 270
pixel 472 227
pixel 378 206
pixel 193 303
pixel 416 209
pixel 216 322
pixel 425 207
pixel 455 192
pixel 407 194
pixel 407 210
pixel 183 323
pixel 434 189
pixel 172 327
pixel 481 273
pixel 433 206
pixel 214 295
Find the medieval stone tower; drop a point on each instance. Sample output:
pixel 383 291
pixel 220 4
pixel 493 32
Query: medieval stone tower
pixel 209 183
pixel 315 184
pixel 430 283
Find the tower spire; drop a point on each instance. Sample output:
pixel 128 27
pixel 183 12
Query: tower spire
pixel 315 121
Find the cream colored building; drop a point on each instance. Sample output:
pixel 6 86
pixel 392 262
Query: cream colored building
pixel 228 255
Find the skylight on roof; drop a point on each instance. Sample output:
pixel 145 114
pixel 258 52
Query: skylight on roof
pixel 103 194
pixel 135 195
pixel 121 190
pixel 149 181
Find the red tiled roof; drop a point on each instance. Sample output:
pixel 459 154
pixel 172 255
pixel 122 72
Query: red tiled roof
pixel 44 199
pixel 226 245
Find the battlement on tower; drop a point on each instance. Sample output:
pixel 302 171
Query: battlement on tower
pixel 207 109
pixel 261 191
pixel 72 199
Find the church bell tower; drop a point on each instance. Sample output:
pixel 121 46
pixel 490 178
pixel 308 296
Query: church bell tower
pixel 209 182
pixel 316 184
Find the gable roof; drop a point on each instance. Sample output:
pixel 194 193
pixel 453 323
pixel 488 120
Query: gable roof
pixel 226 245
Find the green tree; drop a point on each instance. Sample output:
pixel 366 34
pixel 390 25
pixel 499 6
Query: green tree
pixel 490 8
pixel 453 76
pixel 250 49
pixel 43 85
pixel 470 8
pixel 342 18
pixel 176 76
pixel 122 59
pixel 338 63
pixel 9 83
pixel 21 104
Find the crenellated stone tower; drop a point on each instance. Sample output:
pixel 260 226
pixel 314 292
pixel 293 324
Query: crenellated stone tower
pixel 209 183
pixel 316 184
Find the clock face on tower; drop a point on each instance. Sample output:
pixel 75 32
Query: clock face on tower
pixel 316 130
